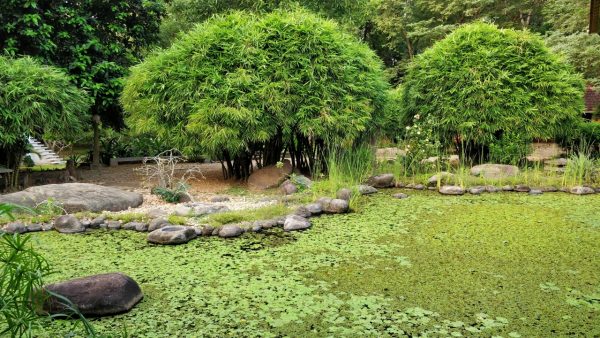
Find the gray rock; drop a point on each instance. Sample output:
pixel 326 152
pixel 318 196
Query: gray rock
pixel 432 188
pixel 508 188
pixel 333 206
pixel 522 188
pixel 256 227
pixel 201 209
pixel 549 189
pixel 230 230
pixel 156 213
pixel 295 222
pixel 15 228
pixel 95 223
pixel 86 223
pixel 197 230
pixel 400 185
pixel 495 171
pixel 47 227
pixel 219 199
pixel 400 196
pixel 302 211
pixel 133 226
pixel 93 296
pixel 157 223
pixel 344 194
pixel 580 190
pixel 477 190
pixel 113 225
pixel 382 181
pixel 491 189
pixel 173 234
pixel 451 190
pixel 535 192
pixel 141 227
pixel 364 189
pixel 68 224
pixel 183 210
pixel 303 181
pixel 288 188
pixel 280 220
pixel 267 224
pixel 74 197
pixel 207 230
pixel 314 208
pixel 34 227
pixel 443 177
pixel 415 186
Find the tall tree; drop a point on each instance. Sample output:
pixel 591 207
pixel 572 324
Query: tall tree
pixel 595 16
pixel 95 41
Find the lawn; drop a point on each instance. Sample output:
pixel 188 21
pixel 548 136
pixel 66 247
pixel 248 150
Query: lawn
pixel 503 264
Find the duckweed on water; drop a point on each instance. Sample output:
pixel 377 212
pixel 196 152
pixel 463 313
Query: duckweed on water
pixel 494 265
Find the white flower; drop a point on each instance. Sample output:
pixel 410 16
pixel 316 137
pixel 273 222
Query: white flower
pixel 418 133
pixel 417 117
pixel 407 128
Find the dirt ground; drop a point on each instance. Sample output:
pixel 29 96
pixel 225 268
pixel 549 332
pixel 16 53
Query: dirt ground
pixel 128 176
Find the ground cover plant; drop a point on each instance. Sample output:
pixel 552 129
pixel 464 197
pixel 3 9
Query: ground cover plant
pixel 243 88
pixel 488 92
pixel 471 265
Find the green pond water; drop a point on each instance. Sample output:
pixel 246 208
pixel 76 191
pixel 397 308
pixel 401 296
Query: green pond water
pixel 505 264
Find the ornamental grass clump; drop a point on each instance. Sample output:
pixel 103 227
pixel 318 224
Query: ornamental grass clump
pixel 489 92
pixel 242 88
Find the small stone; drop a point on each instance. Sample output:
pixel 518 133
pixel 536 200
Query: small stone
pixel 197 230
pixel 207 230
pixel 35 227
pixel 419 187
pixel 491 189
pixel 451 190
pixel 141 227
pixel 215 232
pixel 333 206
pixel 47 227
pixel 183 210
pixel 400 196
pixel 219 199
pixel 302 211
pixel 443 177
pixel 157 223
pixel 15 228
pixel 400 185
pixel 295 222
pixel 344 194
pixel 229 231
pixel 68 224
pixel 201 209
pixel 580 190
pixel 522 188
pixel 477 190
pixel 535 192
pixel 95 223
pixel 113 225
pixel 382 181
pixel 549 189
pixel 508 188
pixel 280 220
pixel 314 208
pixel 172 235
pixel 288 188
pixel 256 227
pixel 431 188
pixel 267 224
pixel 364 189
pixel 130 225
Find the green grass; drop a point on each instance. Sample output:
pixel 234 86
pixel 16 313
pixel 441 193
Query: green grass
pixel 263 213
pixel 503 264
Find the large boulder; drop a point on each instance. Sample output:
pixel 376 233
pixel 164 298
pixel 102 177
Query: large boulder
pixel 68 224
pixel 270 176
pixel 94 296
pixel 495 171
pixel 174 234
pixel 75 197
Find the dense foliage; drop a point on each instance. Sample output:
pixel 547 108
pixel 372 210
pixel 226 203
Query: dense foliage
pixel 35 100
pixel 182 15
pixel 243 87
pixel 582 50
pixel 94 41
pixel 491 91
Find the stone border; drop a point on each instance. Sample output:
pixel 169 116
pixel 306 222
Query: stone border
pixel 298 220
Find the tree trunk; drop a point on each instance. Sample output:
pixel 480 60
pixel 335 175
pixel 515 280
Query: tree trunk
pixel 595 17
pixel 96 145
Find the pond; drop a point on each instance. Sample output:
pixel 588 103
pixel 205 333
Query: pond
pixel 503 264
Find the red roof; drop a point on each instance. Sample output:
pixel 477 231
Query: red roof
pixel 592 99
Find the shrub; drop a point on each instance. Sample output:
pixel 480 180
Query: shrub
pixel 492 91
pixel 38 101
pixel 241 88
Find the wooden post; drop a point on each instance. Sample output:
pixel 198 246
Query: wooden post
pixel 595 17
pixel 96 145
